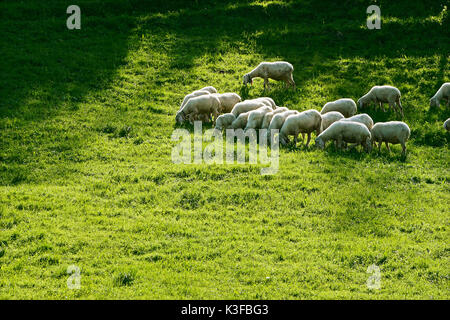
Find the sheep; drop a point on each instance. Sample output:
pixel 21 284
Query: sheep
pixel 268 117
pixel 193 95
pixel 363 118
pixel 345 131
pixel 447 124
pixel 278 121
pixel 227 101
pixel 380 95
pixel 304 122
pixel 329 118
pixel 224 121
pixel 266 100
pixel 255 117
pixel 245 106
pixel 345 106
pixel 278 70
pixel 210 89
pixel 197 106
pixel 241 121
pixel 442 93
pixel 391 132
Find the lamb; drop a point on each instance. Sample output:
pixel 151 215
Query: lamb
pixel 193 95
pixel 255 117
pixel 329 118
pixel 447 124
pixel 304 122
pixel 345 131
pixel 241 121
pixel 391 132
pixel 210 89
pixel 345 106
pixel 268 117
pixel 278 121
pixel 363 118
pixel 442 93
pixel 380 95
pixel 267 101
pixel 198 106
pixel 224 121
pixel 227 101
pixel 279 70
pixel 245 106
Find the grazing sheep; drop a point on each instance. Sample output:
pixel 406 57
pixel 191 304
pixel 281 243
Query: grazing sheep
pixel 391 132
pixel 447 124
pixel 245 106
pixel 255 117
pixel 279 70
pixel 198 106
pixel 227 101
pixel 278 121
pixel 193 95
pixel 266 100
pixel 363 118
pixel 345 131
pixel 224 121
pixel 304 122
pixel 268 117
pixel 442 93
pixel 345 106
pixel 329 118
pixel 380 95
pixel 209 89
pixel 241 121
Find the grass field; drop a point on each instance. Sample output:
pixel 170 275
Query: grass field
pixel 86 176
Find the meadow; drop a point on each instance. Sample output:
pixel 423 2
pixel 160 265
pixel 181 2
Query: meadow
pixel 87 179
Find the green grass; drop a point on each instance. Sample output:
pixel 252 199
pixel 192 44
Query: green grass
pixel 86 176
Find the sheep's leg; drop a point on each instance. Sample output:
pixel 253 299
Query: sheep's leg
pixel 339 142
pixel 379 145
pixel 382 107
pixel 295 139
pixel 387 146
pixel 393 106
pixel 309 139
pixel 403 148
pixel 266 84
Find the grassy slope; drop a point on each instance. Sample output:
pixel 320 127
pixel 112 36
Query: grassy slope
pixel 86 176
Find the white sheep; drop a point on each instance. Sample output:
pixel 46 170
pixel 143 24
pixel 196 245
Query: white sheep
pixel 363 118
pixel 447 124
pixel 268 117
pixel 241 121
pixel 210 89
pixel 329 118
pixel 198 106
pixel 345 106
pixel 279 70
pixel 380 95
pixel 193 95
pixel 224 121
pixel 227 101
pixel 245 106
pixel 255 117
pixel 266 100
pixel 304 122
pixel 395 132
pixel 442 93
pixel 345 131
pixel 278 121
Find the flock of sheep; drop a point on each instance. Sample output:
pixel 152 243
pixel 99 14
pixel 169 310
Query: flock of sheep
pixel 337 120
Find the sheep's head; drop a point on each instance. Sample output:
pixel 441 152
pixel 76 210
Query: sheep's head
pixel 360 103
pixel 179 118
pixel 319 143
pixel 247 79
pixel 368 145
pixel 433 102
